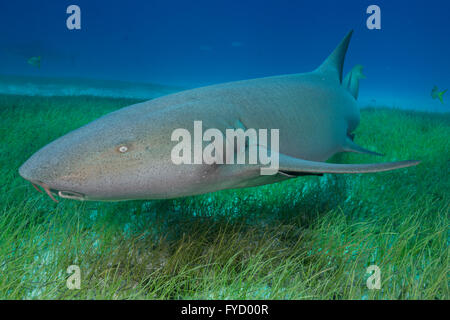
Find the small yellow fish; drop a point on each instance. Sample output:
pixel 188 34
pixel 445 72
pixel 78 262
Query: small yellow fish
pixel 436 94
pixel 35 61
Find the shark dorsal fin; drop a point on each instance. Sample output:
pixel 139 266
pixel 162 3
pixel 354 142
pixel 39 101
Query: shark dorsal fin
pixel 333 65
pixel 351 80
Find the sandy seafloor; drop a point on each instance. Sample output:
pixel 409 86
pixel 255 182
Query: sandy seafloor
pixel 42 86
pixel 46 86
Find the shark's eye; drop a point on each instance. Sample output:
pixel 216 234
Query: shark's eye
pixel 122 149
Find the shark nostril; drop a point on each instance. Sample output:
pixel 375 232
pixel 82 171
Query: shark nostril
pixel 48 191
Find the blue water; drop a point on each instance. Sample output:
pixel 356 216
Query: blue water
pixel 194 43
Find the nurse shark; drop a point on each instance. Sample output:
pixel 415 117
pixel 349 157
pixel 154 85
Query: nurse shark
pixel 126 154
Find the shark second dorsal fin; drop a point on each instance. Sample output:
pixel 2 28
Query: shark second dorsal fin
pixel 351 80
pixel 333 65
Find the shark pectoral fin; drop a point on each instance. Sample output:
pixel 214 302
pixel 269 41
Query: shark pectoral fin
pixel 297 167
pixel 351 146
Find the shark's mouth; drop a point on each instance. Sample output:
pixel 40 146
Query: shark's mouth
pixel 71 195
pixel 61 193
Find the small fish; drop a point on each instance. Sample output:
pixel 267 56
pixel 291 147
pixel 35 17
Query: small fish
pixel 35 61
pixel 436 94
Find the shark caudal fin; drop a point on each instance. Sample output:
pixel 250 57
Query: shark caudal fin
pixel 332 67
pixel 351 80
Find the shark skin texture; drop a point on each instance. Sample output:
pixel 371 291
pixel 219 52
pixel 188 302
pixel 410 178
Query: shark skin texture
pixel 126 154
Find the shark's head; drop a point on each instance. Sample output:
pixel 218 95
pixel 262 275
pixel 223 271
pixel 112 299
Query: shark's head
pixel 108 159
